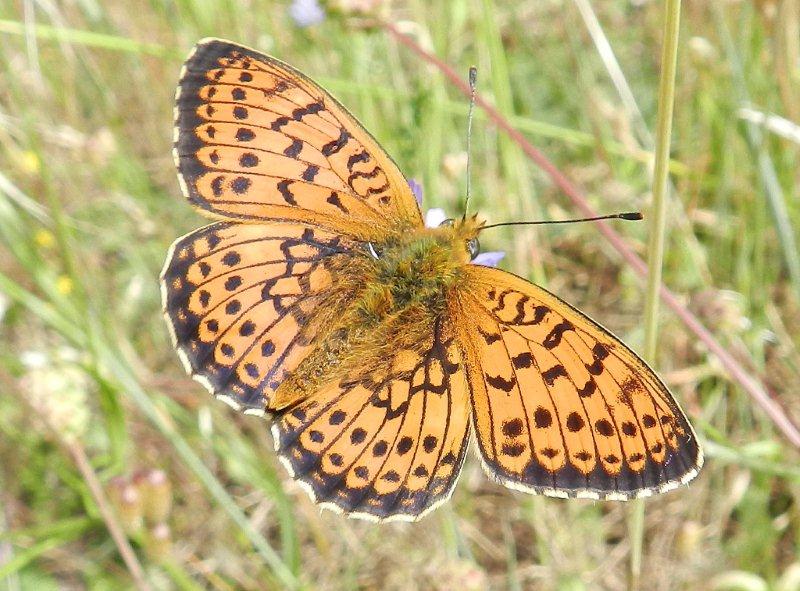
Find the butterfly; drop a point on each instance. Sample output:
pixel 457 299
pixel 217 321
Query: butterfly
pixel 319 299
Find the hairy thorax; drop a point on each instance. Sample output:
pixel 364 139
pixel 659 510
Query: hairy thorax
pixel 401 291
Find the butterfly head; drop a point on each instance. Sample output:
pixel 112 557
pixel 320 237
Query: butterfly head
pixel 463 236
pixel 460 236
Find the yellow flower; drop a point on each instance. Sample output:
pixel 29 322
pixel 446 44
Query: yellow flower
pixel 29 162
pixel 44 238
pixel 64 285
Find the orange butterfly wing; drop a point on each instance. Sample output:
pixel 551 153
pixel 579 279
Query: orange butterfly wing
pixel 244 303
pixel 257 140
pixel 383 447
pixel 561 406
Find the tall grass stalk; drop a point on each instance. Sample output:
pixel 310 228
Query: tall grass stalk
pixel 655 250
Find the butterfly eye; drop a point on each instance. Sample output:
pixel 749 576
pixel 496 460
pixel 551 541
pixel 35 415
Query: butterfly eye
pixel 448 222
pixel 473 247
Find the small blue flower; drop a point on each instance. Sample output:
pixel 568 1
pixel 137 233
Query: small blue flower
pixel 416 188
pixel 306 13
pixel 489 259
pixel 434 218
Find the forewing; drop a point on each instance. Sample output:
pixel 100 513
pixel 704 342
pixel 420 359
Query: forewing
pixel 257 140
pixel 244 303
pixel 383 446
pixel 560 405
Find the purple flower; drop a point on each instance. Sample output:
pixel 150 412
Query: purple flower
pixel 489 259
pixel 434 218
pixel 416 188
pixel 306 13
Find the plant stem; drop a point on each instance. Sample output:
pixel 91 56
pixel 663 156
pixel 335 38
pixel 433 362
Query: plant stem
pixel 655 250
pixel 114 527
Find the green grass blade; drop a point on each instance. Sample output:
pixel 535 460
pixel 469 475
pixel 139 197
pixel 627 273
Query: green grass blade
pixel 657 233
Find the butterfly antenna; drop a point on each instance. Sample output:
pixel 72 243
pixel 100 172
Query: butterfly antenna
pixel 473 83
pixel 631 216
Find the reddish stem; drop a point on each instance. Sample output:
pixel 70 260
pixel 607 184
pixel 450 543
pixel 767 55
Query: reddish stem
pixel 752 386
pixel 114 527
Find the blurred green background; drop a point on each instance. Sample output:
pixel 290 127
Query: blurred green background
pixel 92 394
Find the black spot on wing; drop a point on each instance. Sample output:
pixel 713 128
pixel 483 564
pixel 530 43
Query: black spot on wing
pixel 500 383
pixel 512 427
pixel 278 123
pixel 334 200
pixel 554 338
pixel 286 193
pixel 336 145
pixel 489 337
pixel 294 148
pixel 550 375
pixel 542 417
pixel 243 134
pixel 362 156
pixel 522 360
pixel 310 173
